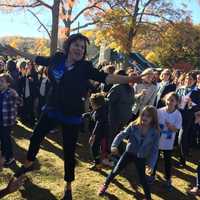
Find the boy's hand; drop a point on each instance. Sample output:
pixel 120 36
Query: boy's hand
pixel 92 139
pixel 170 126
pixel 143 93
pixel 114 151
pixel 149 171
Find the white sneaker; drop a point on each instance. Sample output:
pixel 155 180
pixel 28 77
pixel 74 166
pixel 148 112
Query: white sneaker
pixel 9 162
pixel 108 163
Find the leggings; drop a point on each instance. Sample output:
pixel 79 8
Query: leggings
pixel 70 136
pixel 198 175
pixel 168 164
pixel 125 159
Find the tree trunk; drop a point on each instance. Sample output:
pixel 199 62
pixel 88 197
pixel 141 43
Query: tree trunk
pixel 55 24
pixel 133 28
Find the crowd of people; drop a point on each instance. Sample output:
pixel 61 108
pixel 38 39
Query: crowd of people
pixel 130 116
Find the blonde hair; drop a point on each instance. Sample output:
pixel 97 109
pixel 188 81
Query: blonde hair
pixel 98 99
pixel 152 111
pixel 181 79
pixel 166 71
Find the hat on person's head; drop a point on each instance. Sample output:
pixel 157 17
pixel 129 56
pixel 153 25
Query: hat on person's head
pixel 147 72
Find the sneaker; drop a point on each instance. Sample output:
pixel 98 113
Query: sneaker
pixel 107 162
pixel 194 191
pixel 102 190
pixel 9 162
pixel 95 167
pixel 182 162
pixel 169 186
pixel 68 195
pixel 22 170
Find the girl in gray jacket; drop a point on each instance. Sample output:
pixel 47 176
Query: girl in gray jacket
pixel 142 148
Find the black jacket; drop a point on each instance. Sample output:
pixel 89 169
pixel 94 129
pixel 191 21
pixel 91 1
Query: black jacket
pixel 100 118
pixel 159 103
pixel 68 96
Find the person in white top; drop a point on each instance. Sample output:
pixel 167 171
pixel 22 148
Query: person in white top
pixel 170 121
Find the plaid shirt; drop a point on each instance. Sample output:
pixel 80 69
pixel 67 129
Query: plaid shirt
pixel 10 102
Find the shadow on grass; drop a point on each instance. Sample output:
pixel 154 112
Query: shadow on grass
pixel 135 194
pixel 31 191
pixel 20 156
pixel 83 155
pixel 22 132
pixel 158 188
pixel 110 196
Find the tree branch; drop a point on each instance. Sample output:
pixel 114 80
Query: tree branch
pixel 33 5
pixel 151 24
pixel 85 9
pixel 41 24
pixel 68 13
pixel 44 4
pixel 143 10
pixel 126 10
pixel 84 26
pixel 157 15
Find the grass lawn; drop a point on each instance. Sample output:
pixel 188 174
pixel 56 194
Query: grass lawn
pixel 46 182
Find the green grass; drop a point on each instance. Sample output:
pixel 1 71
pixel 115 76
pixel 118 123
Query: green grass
pixel 46 182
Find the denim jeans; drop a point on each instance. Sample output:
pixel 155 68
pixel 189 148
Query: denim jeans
pixel 140 163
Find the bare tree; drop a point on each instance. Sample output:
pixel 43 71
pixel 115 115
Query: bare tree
pixel 58 7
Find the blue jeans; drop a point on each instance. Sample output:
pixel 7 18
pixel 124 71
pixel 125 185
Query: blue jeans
pixel 125 159
pixel 6 143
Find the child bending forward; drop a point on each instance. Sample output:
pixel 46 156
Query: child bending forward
pixel 142 148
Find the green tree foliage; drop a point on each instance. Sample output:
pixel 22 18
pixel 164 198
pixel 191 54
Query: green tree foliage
pixel 178 43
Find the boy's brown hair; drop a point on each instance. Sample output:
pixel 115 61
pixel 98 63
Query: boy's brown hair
pixel 98 99
pixel 7 77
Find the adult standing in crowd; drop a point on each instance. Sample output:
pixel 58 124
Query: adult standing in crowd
pixel 145 92
pixel 164 87
pixel 28 90
pixel 69 73
pixel 11 68
pixel 189 97
pixel 120 103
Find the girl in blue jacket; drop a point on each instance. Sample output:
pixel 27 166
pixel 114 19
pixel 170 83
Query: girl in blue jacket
pixel 142 148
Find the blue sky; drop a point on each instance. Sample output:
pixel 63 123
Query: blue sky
pixel 23 24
